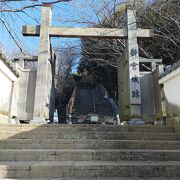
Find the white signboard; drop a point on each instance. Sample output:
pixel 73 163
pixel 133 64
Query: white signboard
pixel 94 118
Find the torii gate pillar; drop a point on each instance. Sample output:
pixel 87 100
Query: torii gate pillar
pixel 43 82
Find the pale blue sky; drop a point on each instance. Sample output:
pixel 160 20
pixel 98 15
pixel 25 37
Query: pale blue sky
pixel 76 13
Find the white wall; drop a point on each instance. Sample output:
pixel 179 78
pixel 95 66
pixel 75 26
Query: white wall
pixel 171 84
pixel 16 92
pixel 5 92
pixel 172 90
pixel 7 77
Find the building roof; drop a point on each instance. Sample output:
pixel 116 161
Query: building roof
pixel 170 71
pixel 170 68
pixel 9 64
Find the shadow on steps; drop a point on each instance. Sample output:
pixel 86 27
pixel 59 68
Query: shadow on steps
pixel 89 151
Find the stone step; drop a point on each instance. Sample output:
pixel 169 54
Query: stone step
pixel 100 178
pixel 89 155
pixel 83 169
pixel 99 113
pixel 98 107
pixel 109 135
pixel 88 127
pixel 87 144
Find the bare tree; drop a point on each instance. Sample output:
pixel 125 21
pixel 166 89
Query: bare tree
pixel 66 60
pixel 13 11
pixel 106 13
pixel 100 57
pixel 163 16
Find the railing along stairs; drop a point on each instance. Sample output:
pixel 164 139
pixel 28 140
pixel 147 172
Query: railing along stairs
pixel 69 108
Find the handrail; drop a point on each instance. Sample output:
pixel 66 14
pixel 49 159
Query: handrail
pixel 102 89
pixel 71 102
pixel 94 103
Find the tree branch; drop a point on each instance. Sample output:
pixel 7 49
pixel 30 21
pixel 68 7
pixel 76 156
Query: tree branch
pixel 31 6
pixel 9 31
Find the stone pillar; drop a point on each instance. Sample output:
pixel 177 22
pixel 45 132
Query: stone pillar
pixel 123 87
pixel 133 63
pixel 136 2
pixel 153 66
pixel 42 97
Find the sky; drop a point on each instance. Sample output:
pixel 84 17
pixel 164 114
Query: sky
pixel 77 13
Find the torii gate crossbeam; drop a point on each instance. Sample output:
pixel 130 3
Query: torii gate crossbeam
pixel 85 32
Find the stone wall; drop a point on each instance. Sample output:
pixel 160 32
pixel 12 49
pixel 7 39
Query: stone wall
pixel 17 89
pixel 150 93
pixel 27 84
pixel 151 96
pixel 147 99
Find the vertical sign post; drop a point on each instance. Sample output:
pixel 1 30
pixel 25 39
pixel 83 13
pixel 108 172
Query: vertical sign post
pixel 133 60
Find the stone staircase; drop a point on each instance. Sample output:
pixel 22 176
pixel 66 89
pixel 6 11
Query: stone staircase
pixel 102 105
pixel 84 101
pixel 103 152
pixel 91 102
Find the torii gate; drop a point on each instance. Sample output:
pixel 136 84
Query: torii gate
pixel 130 32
